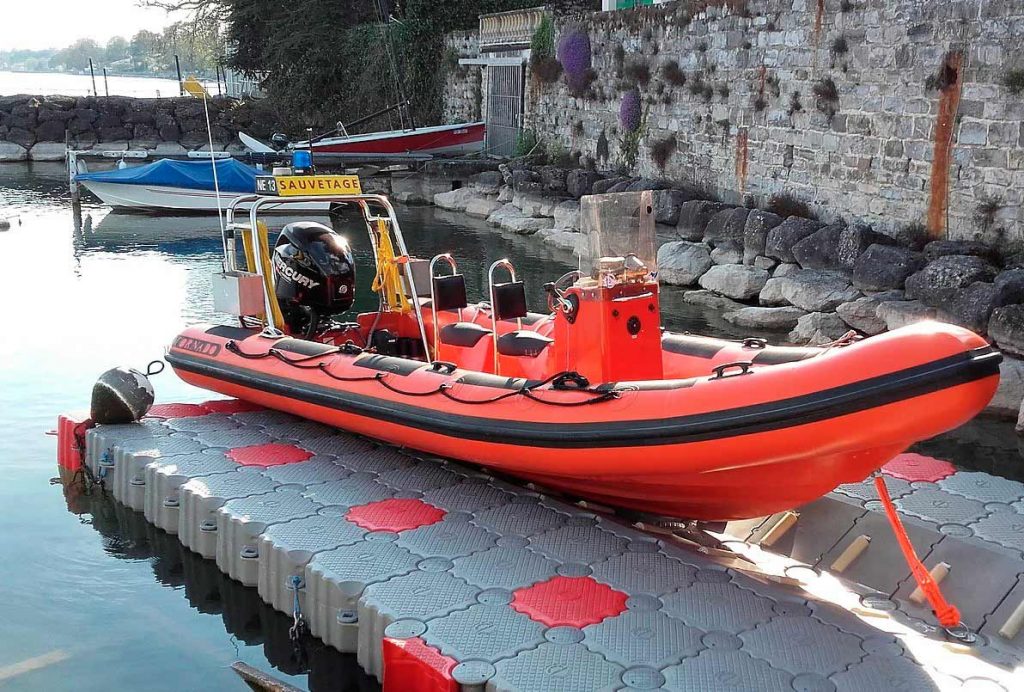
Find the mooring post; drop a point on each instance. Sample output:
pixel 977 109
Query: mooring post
pixel 71 158
pixel 92 71
pixel 177 66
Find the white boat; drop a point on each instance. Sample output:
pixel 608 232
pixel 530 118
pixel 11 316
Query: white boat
pixel 185 186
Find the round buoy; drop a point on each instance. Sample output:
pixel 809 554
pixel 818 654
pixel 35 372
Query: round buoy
pixel 122 395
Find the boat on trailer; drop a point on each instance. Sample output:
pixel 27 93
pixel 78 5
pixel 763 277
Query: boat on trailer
pixel 590 397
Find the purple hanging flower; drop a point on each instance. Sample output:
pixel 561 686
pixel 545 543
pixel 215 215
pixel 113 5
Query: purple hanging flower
pixel 629 110
pixel 574 55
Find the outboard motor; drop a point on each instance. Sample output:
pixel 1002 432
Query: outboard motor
pixel 314 275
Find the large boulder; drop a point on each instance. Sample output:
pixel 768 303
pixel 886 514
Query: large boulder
pixel 47 151
pixel 682 262
pixel 1011 285
pixel 503 212
pixel 9 151
pixel 972 306
pixel 945 248
pixel 567 215
pixel 783 237
pixel 712 300
pixel 456 200
pixel 862 314
pixel 553 178
pixel 900 313
pixel 524 225
pixel 755 233
pixel 1006 328
pixel 820 250
pixel 771 294
pixel 818 328
pixel 604 186
pixel 734 280
pixel 51 131
pixel 488 182
pixel 641 184
pixel 940 280
pixel 535 205
pixel 694 217
pixel 580 182
pixel 1006 403
pixel 562 239
pixel 725 229
pixel 817 290
pixel 667 204
pixel 728 255
pixel 482 207
pixel 854 241
pixel 781 319
pixel 523 179
pixel 885 267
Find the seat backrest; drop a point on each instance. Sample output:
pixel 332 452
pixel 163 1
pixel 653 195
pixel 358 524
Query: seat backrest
pixel 450 292
pixel 509 300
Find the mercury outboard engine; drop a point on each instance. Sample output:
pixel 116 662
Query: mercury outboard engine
pixel 314 275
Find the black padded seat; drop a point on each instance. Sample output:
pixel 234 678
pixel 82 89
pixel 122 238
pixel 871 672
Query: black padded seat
pixel 464 334
pixel 523 343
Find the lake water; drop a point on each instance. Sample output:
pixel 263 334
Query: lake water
pixel 108 601
pixel 48 83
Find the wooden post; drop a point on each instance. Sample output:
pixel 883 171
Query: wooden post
pixel 92 71
pixel 181 86
pixel 106 86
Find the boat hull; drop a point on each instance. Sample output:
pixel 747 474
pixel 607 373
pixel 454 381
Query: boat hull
pixel 153 198
pixel 444 140
pixel 706 448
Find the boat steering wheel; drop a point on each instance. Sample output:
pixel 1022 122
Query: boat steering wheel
pixel 556 291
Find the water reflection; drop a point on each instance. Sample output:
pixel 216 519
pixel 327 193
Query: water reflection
pixel 247 619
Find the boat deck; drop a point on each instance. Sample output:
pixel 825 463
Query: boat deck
pixel 428 569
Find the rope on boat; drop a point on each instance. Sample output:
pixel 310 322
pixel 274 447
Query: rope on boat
pixel 562 381
pixel 945 612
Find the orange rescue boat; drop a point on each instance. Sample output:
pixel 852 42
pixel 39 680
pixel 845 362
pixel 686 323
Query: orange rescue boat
pixel 593 398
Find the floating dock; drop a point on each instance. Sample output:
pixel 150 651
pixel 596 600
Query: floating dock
pixel 440 576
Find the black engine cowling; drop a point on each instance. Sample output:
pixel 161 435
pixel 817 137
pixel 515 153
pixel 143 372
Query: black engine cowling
pixel 314 275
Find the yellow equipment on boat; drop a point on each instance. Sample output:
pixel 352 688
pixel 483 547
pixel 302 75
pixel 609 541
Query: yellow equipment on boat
pixel 262 234
pixel 388 281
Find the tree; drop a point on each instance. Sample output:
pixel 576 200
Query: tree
pixel 76 56
pixel 143 49
pixel 117 49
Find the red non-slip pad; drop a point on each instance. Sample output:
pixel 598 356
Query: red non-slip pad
pixel 395 515
pixel 411 665
pixel 917 467
pixel 177 411
pixel 268 455
pixel 569 601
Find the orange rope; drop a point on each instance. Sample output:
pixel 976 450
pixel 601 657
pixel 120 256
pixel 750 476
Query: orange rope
pixel 946 613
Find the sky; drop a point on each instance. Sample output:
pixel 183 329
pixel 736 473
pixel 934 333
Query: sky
pixel 39 24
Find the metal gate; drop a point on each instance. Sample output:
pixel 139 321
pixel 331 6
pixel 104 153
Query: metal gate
pixel 504 108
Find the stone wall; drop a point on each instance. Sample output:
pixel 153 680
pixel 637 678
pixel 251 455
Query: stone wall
pixel 909 76
pixel 463 88
pixel 34 127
